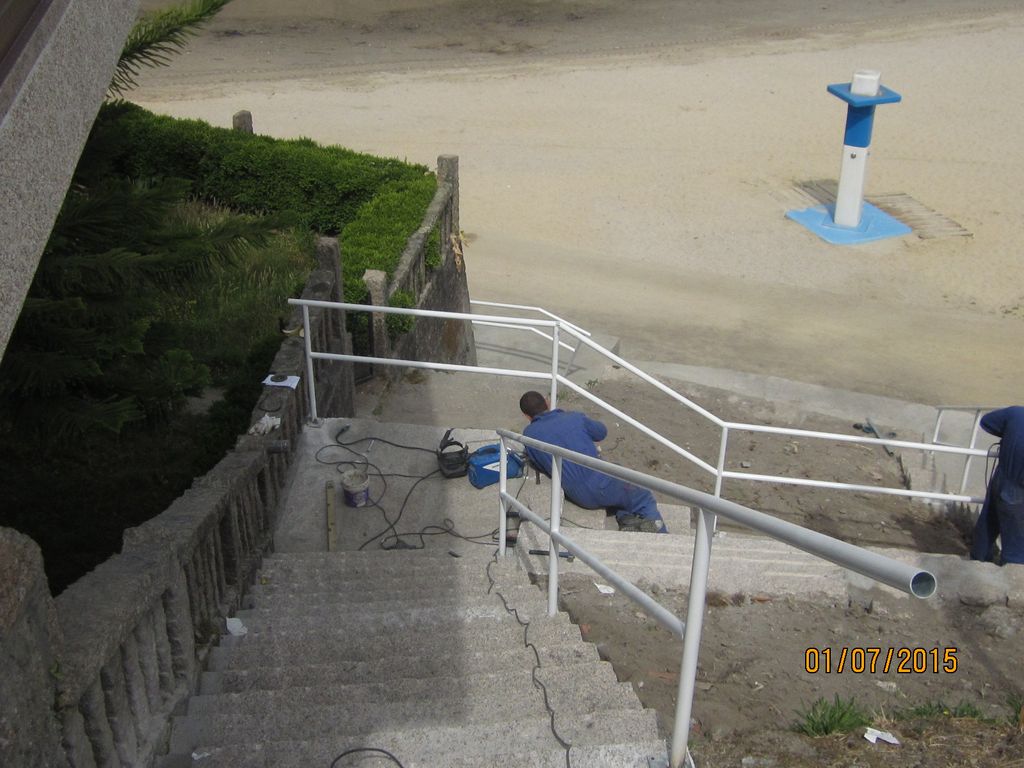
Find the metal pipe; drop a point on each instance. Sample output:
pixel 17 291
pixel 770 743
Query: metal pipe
pixel 553 401
pixel 851 438
pixel 691 640
pixel 520 328
pixel 642 427
pixel 556 517
pixel 655 610
pixel 310 379
pixel 541 310
pixel 882 490
pixel 974 442
pixel 622 363
pixel 904 577
pixel 721 461
pixel 434 366
pixel 420 312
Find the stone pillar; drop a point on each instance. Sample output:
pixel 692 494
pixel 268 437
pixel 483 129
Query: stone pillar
pixel 377 284
pixel 448 170
pixel 242 121
pixel 30 637
pixel 343 380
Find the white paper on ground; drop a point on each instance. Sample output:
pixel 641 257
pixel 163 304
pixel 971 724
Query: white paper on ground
pixel 604 589
pixel 276 380
pixel 874 735
pixel 236 627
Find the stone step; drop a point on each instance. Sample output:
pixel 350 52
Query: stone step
pixel 268 678
pixel 381 563
pixel 316 578
pixel 595 681
pixel 389 617
pixel 424 592
pixel 399 600
pixel 739 563
pixel 612 739
pixel 341 644
pixel 274 717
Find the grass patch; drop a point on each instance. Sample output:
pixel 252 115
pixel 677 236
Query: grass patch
pixel 935 709
pixel 823 717
pixel 1015 701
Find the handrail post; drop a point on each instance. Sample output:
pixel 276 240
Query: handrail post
pixel 572 358
pixel 556 519
pixel 310 383
pixel 721 461
pixel 691 638
pixel 553 400
pixel 502 490
pixel 969 457
pixel 938 424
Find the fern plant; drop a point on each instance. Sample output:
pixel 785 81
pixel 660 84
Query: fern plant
pixel 156 37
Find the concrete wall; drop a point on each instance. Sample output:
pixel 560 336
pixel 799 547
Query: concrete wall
pixel 47 106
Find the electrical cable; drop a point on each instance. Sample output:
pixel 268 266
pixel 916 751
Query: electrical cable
pixel 279 404
pixel 357 750
pixel 566 745
pixel 390 538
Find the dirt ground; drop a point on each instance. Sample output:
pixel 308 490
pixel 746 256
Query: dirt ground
pixel 752 682
pixel 860 518
pixel 752 679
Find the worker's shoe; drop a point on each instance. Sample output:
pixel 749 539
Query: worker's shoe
pixel 637 524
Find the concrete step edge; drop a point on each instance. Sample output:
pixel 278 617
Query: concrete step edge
pixel 597 677
pixel 446 745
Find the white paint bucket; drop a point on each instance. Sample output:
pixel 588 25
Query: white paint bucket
pixel 355 488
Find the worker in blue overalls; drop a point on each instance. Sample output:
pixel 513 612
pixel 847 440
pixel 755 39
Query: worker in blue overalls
pixel 634 508
pixel 1002 514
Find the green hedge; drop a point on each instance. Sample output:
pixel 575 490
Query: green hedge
pixel 322 187
pixel 377 236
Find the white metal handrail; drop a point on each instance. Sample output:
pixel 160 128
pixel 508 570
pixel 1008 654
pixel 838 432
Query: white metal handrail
pixel 539 310
pixel 906 578
pixel 555 326
pixel 978 411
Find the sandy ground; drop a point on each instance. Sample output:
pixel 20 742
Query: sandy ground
pixel 628 165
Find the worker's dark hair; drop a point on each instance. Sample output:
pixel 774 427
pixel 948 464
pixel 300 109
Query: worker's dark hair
pixel 532 404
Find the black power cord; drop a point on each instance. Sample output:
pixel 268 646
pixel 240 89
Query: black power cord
pixel 389 538
pixel 376 750
pixel 536 654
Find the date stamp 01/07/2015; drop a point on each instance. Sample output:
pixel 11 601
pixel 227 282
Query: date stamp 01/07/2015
pixel 878 660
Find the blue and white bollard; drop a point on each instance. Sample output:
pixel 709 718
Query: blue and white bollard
pixel 852 220
pixel 862 95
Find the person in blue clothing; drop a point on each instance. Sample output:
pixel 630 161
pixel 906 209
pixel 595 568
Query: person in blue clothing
pixel 1002 514
pixel 634 508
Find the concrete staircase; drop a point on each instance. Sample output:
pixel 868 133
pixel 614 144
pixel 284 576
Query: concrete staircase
pixel 430 657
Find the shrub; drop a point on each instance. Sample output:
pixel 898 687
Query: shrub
pixel 838 716
pixel 377 236
pixel 323 187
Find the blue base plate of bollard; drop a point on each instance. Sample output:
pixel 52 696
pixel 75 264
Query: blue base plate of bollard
pixel 875 224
